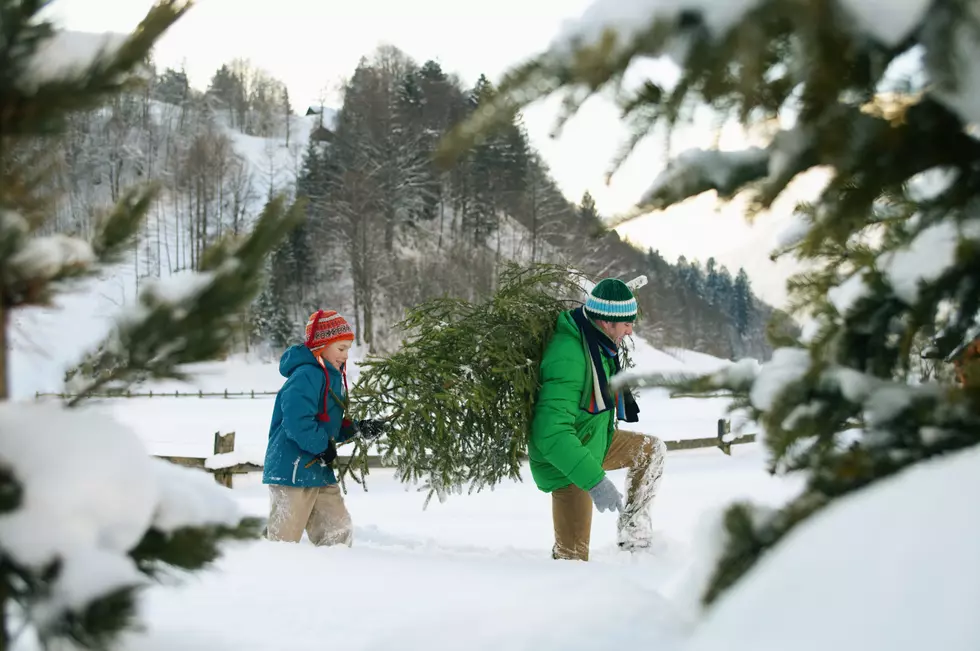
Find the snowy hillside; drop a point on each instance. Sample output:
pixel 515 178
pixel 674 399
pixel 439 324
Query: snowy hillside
pixel 91 305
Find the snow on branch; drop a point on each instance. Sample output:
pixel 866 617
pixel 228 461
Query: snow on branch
pixel 927 257
pixel 629 21
pixel 70 54
pixel 696 170
pixel 90 492
pixel 35 265
pixel 45 258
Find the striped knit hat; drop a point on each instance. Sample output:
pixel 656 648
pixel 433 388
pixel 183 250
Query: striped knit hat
pixel 326 327
pixel 611 300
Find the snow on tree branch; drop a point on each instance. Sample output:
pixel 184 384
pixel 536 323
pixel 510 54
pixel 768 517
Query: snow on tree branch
pixel 70 54
pixel 43 259
pixel 628 21
pixel 90 492
pixel 697 170
pixel 928 256
pixel 36 265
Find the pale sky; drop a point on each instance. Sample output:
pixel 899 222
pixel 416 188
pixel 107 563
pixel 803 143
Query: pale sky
pixel 312 45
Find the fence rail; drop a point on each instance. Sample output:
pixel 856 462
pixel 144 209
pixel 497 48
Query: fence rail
pixel 225 444
pixel 160 394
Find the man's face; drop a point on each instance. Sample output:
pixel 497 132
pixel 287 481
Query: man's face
pixel 616 330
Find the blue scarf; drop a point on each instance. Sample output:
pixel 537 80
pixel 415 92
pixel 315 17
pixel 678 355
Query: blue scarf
pixel 597 345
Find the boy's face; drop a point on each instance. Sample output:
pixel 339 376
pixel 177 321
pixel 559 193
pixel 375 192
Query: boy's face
pixel 336 353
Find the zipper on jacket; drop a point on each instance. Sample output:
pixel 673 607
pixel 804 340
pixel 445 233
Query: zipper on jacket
pixel 295 468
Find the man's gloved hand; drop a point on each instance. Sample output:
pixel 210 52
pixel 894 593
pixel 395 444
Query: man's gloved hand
pixel 372 429
pixel 606 496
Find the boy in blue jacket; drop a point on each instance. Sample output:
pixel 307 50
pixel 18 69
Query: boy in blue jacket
pixel 308 421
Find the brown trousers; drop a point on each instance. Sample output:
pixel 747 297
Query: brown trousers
pixel 571 507
pixel 320 511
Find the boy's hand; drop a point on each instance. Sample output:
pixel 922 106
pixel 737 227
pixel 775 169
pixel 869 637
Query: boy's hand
pixel 372 429
pixel 327 456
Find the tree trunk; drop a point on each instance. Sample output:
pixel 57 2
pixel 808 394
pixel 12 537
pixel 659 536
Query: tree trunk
pixel 4 387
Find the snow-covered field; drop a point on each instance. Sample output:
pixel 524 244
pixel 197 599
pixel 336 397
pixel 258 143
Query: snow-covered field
pixel 473 572
pixel 883 570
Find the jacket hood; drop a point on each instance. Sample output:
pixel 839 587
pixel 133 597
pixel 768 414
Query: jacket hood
pixel 566 325
pixel 294 357
pixel 299 355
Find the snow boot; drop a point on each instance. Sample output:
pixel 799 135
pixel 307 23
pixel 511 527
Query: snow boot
pixel 635 532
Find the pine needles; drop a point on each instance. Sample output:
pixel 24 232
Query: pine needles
pixel 460 392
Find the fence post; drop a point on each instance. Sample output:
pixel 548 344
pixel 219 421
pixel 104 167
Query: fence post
pixel 223 443
pixel 724 427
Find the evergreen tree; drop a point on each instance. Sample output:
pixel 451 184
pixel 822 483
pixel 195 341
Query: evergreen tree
pixel 485 165
pixel 78 581
pixel 742 302
pixel 587 209
pixel 172 87
pixel 229 89
pixel 271 321
pixel 892 259
pixel 712 281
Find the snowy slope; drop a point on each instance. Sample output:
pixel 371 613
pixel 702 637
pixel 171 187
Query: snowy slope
pixel 40 351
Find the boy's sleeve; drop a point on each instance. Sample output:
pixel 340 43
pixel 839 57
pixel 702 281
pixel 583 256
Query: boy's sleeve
pixel 553 428
pixel 299 411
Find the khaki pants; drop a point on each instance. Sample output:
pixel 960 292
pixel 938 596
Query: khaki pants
pixel 320 511
pixel 571 507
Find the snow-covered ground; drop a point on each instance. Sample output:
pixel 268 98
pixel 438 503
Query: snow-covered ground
pixel 471 573
pixel 881 570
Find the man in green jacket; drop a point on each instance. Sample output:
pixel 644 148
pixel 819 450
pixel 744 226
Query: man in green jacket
pixel 574 439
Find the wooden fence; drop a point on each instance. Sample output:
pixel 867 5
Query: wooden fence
pixel 225 444
pixel 226 394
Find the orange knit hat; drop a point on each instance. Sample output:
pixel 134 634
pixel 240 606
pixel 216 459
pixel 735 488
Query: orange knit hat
pixel 326 327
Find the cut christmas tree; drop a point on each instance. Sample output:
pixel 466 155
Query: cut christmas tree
pixel 460 392
pixel 889 102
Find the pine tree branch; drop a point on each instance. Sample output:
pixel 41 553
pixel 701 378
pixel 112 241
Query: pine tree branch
pixel 38 103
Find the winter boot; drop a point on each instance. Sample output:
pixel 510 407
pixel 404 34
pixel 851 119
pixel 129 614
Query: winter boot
pixel 635 531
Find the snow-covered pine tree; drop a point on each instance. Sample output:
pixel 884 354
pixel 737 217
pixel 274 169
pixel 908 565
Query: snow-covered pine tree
pixel 894 238
pixel 87 517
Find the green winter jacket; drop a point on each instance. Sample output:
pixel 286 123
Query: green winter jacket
pixel 568 444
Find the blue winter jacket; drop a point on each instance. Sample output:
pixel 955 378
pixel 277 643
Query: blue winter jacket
pixel 296 434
